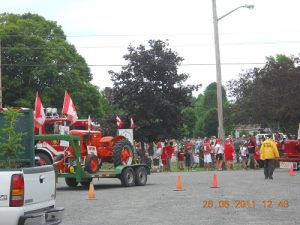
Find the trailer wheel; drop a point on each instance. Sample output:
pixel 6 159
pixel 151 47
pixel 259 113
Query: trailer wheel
pixel 71 181
pixel 45 157
pixel 127 177
pixel 91 163
pixel 86 182
pixel 122 153
pixel 140 176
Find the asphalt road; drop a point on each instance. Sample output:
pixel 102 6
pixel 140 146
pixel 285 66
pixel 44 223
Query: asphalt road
pixel 242 197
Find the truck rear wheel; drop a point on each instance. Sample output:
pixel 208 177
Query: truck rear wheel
pixel 71 181
pixel 127 177
pixel 140 176
pixel 122 153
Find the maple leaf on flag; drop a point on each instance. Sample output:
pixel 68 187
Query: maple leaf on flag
pixel 69 108
pixel 132 125
pixel 39 114
pixel 119 122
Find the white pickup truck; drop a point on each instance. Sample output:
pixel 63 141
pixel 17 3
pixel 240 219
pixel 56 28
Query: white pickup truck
pixel 27 192
pixel 27 196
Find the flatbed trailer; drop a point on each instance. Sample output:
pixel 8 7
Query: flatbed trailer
pixel 74 172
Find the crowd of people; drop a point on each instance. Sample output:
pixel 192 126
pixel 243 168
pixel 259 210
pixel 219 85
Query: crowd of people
pixel 211 154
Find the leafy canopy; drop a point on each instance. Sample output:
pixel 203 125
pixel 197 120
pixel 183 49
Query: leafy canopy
pixel 268 95
pixel 151 90
pixel 36 57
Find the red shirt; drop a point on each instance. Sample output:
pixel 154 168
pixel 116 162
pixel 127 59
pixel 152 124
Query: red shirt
pixel 206 148
pixel 228 151
pixel 180 156
pixel 170 151
pixel 164 153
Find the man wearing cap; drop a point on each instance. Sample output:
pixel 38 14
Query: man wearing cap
pixel 268 153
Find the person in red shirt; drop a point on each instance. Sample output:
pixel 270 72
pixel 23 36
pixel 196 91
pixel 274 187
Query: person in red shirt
pixel 169 152
pixel 180 158
pixel 164 158
pixel 229 153
pixel 257 157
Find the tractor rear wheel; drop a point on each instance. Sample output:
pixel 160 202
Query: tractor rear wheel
pixel 91 164
pixel 140 176
pixel 127 177
pixel 71 181
pixel 122 153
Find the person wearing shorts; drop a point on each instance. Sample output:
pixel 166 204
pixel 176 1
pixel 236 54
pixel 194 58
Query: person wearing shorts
pixel 219 149
pixel 206 154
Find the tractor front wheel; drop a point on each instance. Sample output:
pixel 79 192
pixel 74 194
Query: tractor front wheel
pixel 91 164
pixel 122 153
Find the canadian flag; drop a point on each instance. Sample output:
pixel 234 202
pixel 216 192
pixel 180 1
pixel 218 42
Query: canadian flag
pixel 39 114
pixel 69 108
pixel 119 122
pixel 132 125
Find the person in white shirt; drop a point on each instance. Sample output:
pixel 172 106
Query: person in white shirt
pixel 219 150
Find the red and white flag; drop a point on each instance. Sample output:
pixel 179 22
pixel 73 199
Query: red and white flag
pixel 69 108
pixel 119 122
pixel 39 114
pixel 132 125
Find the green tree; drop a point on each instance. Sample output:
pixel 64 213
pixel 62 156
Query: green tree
pixel 36 57
pixel 151 90
pixel 10 139
pixel 189 120
pixel 268 95
pixel 206 123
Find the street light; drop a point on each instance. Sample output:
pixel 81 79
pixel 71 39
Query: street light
pixel 218 64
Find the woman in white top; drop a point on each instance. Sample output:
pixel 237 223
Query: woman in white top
pixel 219 150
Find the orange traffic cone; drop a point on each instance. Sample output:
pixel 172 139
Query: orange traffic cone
pixel 291 170
pixel 91 194
pixel 179 184
pixel 214 182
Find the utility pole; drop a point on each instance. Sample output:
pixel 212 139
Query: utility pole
pixel 218 70
pixel 221 133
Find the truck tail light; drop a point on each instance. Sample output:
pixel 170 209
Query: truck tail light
pixel 17 190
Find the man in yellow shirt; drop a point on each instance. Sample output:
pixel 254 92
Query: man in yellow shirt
pixel 268 153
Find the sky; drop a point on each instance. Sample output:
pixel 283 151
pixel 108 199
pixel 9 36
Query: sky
pixel 102 30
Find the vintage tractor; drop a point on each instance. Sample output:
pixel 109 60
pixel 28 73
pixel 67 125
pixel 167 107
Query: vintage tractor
pixel 96 150
pixel 89 155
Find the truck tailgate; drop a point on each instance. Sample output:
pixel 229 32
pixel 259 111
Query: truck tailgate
pixel 39 185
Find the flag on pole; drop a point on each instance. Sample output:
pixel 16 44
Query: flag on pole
pixel 39 114
pixel 119 122
pixel 69 108
pixel 132 125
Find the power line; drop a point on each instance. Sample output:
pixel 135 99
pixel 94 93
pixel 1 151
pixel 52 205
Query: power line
pixel 121 65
